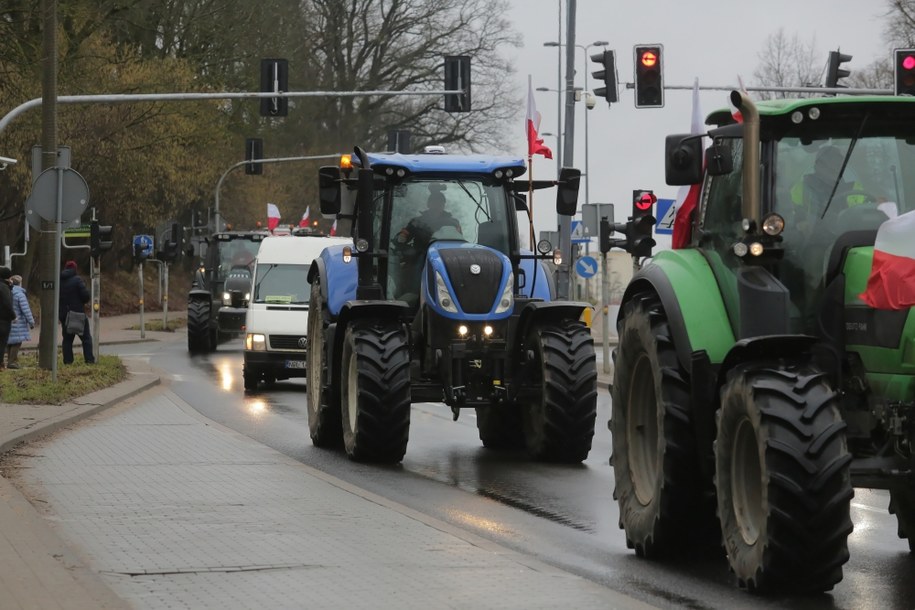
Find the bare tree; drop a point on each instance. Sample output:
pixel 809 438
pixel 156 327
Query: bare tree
pixel 788 62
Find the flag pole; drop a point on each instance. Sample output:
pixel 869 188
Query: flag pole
pixel 530 198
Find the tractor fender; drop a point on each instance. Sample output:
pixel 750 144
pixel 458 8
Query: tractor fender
pixel 767 347
pixel 329 264
pixel 556 311
pixel 692 302
pixel 199 293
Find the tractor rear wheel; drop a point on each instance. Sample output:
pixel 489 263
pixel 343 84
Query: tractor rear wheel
pixel 198 326
pixel 559 425
pixel 375 391
pixel 665 506
pixel 323 409
pixel 500 426
pixel 783 479
pixel 902 504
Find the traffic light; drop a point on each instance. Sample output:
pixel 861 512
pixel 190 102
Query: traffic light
pixel 274 79
pixel 642 203
pixel 254 150
pixel 637 241
pixel 649 76
pixel 834 71
pixel 605 231
pixel 171 244
pixel 99 238
pixel 904 72
pixel 457 77
pixel 607 74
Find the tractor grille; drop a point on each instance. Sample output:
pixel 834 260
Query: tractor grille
pixel 287 342
pixel 475 292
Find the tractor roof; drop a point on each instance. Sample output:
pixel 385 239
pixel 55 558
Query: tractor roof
pixel 443 164
pixel 779 107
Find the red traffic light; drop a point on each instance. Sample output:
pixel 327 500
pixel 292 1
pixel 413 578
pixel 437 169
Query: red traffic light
pixel 644 201
pixel 649 59
pixel 908 62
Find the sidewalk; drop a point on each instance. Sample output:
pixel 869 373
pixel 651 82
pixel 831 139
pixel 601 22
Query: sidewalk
pixel 38 570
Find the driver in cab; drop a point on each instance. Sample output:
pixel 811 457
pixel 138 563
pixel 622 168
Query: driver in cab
pixel 812 193
pixel 435 217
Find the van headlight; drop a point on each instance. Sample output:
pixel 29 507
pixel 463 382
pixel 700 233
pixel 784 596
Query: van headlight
pixel 507 300
pixel 255 342
pixel 443 295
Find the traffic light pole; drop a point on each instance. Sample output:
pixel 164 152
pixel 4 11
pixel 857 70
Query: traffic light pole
pixel 565 222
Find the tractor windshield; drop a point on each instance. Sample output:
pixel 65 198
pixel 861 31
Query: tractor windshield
pixel 421 211
pixel 236 254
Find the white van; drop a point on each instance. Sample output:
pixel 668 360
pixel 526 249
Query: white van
pixel 276 324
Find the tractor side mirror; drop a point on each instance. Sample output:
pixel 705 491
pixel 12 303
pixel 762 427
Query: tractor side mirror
pixel 329 190
pixel 567 191
pixel 718 159
pixel 683 159
pixel 520 201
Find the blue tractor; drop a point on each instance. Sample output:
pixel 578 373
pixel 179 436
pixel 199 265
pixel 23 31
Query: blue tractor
pixel 437 301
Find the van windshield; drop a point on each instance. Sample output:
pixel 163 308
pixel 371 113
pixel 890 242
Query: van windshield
pixel 281 284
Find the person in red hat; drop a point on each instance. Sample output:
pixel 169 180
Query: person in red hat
pixel 73 297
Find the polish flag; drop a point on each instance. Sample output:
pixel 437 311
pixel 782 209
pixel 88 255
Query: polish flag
pixel 535 145
pixel 273 217
pixel 333 229
pixel 304 221
pixel 891 284
pixel 688 197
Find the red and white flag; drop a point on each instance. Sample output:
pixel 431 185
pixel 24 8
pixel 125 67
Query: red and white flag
pixel 535 145
pixel 891 284
pixel 273 217
pixel 304 221
pixel 688 197
pixel 333 229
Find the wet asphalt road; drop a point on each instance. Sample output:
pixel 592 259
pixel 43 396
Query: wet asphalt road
pixel 563 515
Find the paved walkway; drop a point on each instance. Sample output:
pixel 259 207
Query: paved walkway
pixel 155 506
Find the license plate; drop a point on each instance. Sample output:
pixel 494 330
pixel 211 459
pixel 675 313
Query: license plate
pixel 295 364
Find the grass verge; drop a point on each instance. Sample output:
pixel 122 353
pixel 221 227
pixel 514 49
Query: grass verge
pixel 33 385
pixel 173 325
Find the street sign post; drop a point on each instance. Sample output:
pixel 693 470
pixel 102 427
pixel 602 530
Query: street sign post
pixel 586 267
pixel 145 242
pixel 667 211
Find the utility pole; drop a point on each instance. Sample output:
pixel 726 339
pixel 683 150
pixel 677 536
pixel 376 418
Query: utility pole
pixel 565 222
pixel 49 258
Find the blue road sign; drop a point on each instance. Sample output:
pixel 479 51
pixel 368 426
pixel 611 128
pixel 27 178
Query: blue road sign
pixel 146 244
pixel 667 210
pixel 579 235
pixel 586 267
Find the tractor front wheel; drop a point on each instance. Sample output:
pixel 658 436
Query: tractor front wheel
pixel 323 410
pixel 664 503
pixel 902 504
pixel 198 326
pixel 559 424
pixel 783 479
pixel 375 391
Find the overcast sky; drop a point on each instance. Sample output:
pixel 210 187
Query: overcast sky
pixel 712 40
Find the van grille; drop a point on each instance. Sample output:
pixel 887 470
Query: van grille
pixel 287 342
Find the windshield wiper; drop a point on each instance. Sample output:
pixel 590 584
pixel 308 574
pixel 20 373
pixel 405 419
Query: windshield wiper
pixel 473 199
pixel 851 148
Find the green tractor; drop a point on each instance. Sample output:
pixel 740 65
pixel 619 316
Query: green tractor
pixel 754 387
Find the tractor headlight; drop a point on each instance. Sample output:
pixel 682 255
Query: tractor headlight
pixel 347 254
pixel 507 299
pixel 226 299
pixel 443 295
pixel 756 248
pixel 463 330
pixel 773 225
pixel 255 342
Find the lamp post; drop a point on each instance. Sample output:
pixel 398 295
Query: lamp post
pixel 585 47
pixel 558 90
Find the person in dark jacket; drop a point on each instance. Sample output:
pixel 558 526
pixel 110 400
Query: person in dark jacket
pixel 7 314
pixel 73 297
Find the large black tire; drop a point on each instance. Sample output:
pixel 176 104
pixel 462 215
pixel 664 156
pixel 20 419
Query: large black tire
pixel 500 426
pixel 324 422
pixel 783 479
pixel 198 326
pixel 375 391
pixel 559 425
pixel 665 506
pixel 902 504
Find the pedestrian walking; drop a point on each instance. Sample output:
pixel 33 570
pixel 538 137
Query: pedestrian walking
pixel 73 297
pixel 6 310
pixel 24 321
